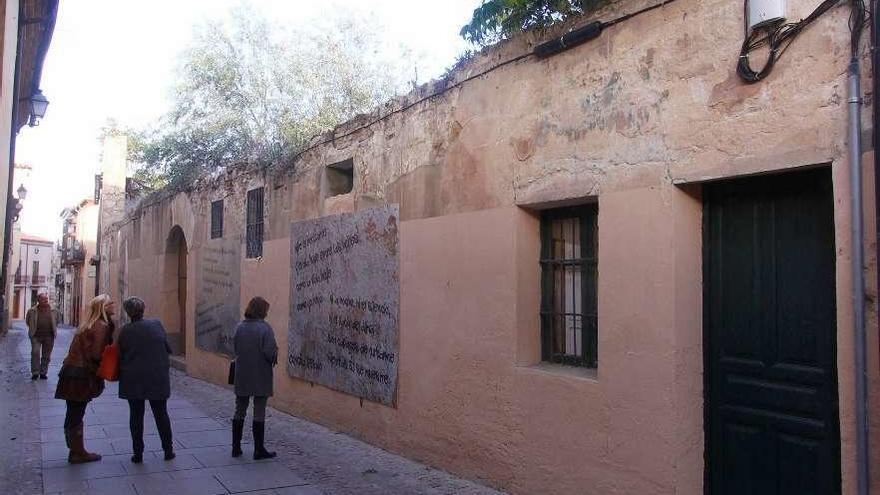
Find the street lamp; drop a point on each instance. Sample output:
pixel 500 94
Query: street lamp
pixel 38 104
pixel 22 193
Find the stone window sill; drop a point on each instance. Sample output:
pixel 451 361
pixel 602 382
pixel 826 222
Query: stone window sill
pixel 589 374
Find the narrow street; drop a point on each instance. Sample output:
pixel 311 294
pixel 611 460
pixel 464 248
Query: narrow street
pixel 311 459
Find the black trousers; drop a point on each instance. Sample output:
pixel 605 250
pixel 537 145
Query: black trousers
pixel 136 424
pixel 75 413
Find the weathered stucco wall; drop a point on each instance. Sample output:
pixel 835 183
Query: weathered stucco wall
pixel 634 120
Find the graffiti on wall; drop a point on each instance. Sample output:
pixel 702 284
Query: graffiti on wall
pixel 344 300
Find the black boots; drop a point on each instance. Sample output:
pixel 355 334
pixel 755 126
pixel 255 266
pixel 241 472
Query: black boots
pixel 259 431
pixel 237 431
pixel 260 452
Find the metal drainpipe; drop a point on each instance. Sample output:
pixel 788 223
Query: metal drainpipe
pixel 875 118
pixel 858 278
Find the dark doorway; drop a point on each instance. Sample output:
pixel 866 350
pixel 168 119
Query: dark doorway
pixel 175 289
pixel 772 424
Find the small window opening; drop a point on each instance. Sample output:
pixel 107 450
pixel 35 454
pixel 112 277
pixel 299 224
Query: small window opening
pixel 217 219
pixel 339 178
pixel 254 234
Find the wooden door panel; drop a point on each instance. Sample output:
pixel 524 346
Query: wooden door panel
pixel 772 424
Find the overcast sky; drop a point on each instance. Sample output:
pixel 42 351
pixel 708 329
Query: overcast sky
pixel 116 59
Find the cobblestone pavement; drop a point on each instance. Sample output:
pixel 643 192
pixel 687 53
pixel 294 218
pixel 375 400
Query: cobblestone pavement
pixel 311 459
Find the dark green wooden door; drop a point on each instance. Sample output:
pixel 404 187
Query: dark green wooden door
pixel 770 350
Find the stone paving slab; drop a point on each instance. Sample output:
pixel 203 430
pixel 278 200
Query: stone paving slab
pixel 80 472
pixel 156 464
pixel 195 439
pixel 151 443
pixel 194 485
pixel 56 434
pixel 58 450
pixel 290 490
pixel 75 488
pixel 257 476
pixel 219 456
pixel 62 463
pixel 127 484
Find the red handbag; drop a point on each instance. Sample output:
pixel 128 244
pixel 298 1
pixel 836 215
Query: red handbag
pixel 109 367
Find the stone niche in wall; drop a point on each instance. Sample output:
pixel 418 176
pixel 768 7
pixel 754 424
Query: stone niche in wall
pixel 218 295
pixel 344 302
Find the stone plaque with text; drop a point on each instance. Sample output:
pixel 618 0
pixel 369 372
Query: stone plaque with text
pixel 122 283
pixel 344 299
pixel 217 295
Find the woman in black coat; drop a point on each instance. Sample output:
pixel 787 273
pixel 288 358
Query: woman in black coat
pixel 256 352
pixel 143 375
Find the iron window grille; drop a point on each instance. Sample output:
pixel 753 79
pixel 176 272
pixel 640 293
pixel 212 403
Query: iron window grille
pixel 217 219
pixel 569 299
pixel 135 245
pixel 254 233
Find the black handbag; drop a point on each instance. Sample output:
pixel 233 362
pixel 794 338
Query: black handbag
pixel 231 379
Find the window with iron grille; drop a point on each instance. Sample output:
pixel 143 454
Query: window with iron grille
pixel 569 299
pixel 135 245
pixel 255 223
pixel 217 218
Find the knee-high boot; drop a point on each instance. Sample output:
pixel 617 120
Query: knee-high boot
pixel 260 452
pixel 237 432
pixel 78 453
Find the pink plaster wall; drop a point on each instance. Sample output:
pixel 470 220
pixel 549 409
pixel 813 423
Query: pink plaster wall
pixel 470 378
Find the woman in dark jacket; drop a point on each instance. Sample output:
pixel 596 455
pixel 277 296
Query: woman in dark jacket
pixel 143 375
pixel 78 381
pixel 255 354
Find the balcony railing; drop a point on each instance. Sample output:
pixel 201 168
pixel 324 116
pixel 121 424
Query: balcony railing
pixel 29 279
pixel 73 256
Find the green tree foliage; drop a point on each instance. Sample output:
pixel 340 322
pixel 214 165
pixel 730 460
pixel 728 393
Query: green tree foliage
pixel 250 91
pixel 495 20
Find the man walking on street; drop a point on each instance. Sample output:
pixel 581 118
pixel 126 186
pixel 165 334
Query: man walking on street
pixel 42 329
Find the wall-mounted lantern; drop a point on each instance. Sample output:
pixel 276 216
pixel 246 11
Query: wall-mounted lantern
pixel 38 104
pixel 22 193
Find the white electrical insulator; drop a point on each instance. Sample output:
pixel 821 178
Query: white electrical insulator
pixel 764 12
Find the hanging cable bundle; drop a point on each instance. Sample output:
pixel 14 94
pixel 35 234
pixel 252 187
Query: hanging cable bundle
pixel 779 37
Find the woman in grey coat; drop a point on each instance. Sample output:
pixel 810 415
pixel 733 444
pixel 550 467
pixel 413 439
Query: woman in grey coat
pixel 143 376
pixel 255 354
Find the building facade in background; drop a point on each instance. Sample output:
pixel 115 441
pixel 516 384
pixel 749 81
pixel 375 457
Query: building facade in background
pixel 76 279
pixel 33 273
pixel 27 27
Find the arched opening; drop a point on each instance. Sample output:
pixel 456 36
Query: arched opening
pixel 174 290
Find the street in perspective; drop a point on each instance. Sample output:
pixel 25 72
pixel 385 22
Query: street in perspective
pixel 525 247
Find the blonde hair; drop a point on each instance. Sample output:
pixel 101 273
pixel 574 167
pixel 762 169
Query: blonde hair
pixel 97 311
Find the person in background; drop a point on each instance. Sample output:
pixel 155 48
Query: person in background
pixel 144 376
pixel 78 381
pixel 42 329
pixel 256 352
